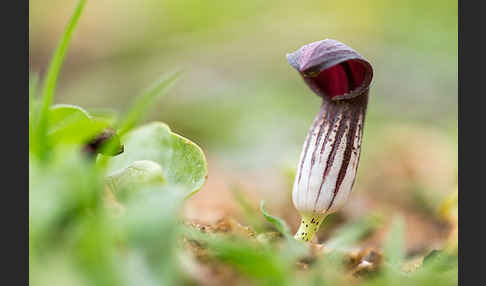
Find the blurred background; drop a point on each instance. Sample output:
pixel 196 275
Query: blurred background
pixel 250 111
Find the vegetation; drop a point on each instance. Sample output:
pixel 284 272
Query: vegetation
pixel 110 210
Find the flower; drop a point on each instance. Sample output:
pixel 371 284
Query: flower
pixel 330 155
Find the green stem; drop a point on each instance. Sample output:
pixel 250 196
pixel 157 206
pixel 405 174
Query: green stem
pixel 309 226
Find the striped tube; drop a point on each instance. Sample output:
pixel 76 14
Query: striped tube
pixel 330 155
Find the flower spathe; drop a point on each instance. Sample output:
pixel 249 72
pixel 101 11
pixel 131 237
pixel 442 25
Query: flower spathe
pixel 330 155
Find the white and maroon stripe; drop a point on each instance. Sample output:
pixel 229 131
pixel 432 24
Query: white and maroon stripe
pixel 330 156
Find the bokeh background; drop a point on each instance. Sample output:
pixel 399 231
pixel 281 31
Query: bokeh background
pixel 250 111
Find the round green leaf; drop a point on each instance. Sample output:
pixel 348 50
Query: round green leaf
pixel 137 175
pixel 183 163
pixel 72 125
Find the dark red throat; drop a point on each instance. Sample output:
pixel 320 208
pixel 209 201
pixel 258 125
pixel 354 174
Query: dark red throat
pixel 341 78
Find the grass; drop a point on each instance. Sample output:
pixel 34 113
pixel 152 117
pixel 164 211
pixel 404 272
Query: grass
pixel 50 83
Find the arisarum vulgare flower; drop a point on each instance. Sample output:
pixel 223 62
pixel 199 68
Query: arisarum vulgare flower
pixel 329 159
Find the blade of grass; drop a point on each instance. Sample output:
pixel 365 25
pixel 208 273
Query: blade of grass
pixel 394 245
pixel 258 262
pixel 279 224
pixel 138 110
pixel 143 102
pixel 349 233
pixel 33 84
pixel 291 248
pixel 251 213
pixel 50 81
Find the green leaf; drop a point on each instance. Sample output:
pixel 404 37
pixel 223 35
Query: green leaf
pixel 150 220
pixel 440 259
pixel 150 229
pixel 71 124
pixel 138 175
pixel 108 115
pixel 60 194
pixel 183 163
pixel 94 250
pixel 279 223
